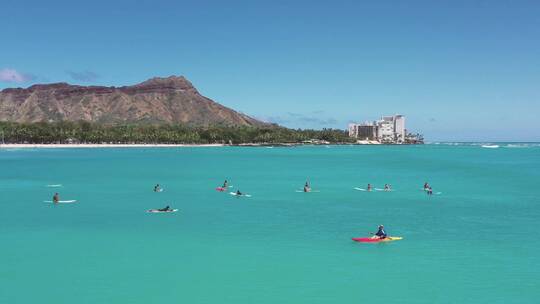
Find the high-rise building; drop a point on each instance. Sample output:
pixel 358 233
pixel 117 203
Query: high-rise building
pixel 399 128
pixel 387 129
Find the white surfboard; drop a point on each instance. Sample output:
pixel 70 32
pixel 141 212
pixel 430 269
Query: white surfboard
pixel 159 211
pixel 54 185
pixel 360 189
pixel 234 193
pixel 62 202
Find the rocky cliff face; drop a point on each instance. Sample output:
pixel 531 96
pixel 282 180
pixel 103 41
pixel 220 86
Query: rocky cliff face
pixel 158 100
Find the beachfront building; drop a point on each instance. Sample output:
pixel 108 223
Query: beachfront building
pixel 399 127
pixel 364 131
pixel 388 129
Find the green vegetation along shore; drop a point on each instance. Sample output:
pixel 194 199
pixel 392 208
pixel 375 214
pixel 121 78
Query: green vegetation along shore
pixel 92 133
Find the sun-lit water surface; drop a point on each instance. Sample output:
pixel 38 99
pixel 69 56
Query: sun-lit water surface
pixel 476 242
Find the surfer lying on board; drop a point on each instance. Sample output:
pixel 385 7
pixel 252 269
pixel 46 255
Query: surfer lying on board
pixel 165 209
pixel 56 198
pixel 307 188
pixel 238 193
pixel 380 233
pixel 157 188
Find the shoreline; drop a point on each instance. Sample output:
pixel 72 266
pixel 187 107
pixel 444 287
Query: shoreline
pixel 82 146
pixel 52 146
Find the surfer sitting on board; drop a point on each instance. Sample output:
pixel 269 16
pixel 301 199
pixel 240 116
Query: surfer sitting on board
pixel 307 188
pixel 165 209
pixel 380 233
pixel 429 191
pixel 225 184
pixel 387 187
pixel 369 187
pixel 56 198
pixel 238 193
pixel 157 188
pixel 426 186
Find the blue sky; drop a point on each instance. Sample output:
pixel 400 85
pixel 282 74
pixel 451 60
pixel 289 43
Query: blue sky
pixel 459 70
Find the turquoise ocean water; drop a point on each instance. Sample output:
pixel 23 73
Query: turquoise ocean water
pixel 477 242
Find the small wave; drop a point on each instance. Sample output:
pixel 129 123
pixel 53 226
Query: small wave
pixel 488 144
pixel 451 143
pixel 523 145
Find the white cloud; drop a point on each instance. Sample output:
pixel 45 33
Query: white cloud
pixel 12 75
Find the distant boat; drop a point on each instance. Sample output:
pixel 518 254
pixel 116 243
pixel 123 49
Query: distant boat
pixel 490 146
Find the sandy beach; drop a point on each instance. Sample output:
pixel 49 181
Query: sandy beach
pixel 367 142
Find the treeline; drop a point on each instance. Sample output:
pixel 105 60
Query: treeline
pixel 86 132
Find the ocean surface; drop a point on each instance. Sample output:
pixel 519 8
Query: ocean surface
pixel 475 242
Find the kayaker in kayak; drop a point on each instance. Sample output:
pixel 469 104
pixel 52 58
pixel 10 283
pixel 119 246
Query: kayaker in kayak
pixel 381 234
pixel 307 188
pixel 225 184
pixel 165 209
pixel 369 188
pixel 157 188
pixel 56 198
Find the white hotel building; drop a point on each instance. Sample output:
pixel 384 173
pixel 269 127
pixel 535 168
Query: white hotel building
pixel 387 129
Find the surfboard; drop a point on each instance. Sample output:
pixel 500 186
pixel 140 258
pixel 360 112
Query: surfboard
pixel 55 185
pixel 62 202
pixel 159 211
pixel 360 189
pixel 234 193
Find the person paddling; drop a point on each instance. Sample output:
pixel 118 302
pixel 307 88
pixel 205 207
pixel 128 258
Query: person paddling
pixel 381 234
pixel 168 208
pixel 56 198
pixel 238 193
pixel 307 188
